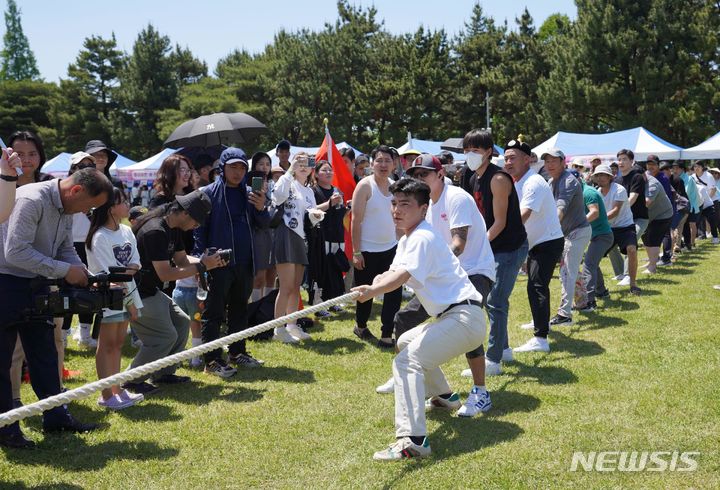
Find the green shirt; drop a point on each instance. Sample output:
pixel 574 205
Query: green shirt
pixel 600 225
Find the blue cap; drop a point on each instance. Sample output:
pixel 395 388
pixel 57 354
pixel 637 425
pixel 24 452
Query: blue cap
pixel 233 155
pixel 574 173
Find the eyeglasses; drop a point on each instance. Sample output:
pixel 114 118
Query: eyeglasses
pixel 420 174
pixel 183 171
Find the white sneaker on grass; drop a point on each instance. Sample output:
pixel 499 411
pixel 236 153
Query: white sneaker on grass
pixel 477 402
pixel 535 344
pixel 527 326
pixel 387 388
pixel 619 277
pixel 508 354
pixel 298 333
pixel 282 335
pixel 452 403
pixel 625 281
pixel 219 368
pixel 403 448
pixel 492 368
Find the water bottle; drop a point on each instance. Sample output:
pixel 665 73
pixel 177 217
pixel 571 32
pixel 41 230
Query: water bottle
pixel 340 204
pixel 202 291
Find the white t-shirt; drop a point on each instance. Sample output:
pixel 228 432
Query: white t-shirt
pixel 115 248
pixel 710 181
pixel 618 193
pixel 535 194
pixel 297 199
pixel 703 190
pixel 436 275
pixel 454 209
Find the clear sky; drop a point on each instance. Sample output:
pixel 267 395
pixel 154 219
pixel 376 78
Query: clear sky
pixel 213 28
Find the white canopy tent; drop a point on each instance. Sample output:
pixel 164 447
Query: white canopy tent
pixel 59 165
pixel 310 150
pixel 707 150
pixel 579 145
pixel 145 169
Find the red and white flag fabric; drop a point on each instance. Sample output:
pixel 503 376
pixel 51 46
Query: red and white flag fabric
pixel 343 180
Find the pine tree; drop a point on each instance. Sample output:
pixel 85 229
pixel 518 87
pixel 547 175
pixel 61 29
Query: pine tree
pixel 18 60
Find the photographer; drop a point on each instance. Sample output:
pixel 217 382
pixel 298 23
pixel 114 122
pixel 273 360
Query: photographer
pixel 9 162
pixel 37 241
pixel 163 327
pixel 235 212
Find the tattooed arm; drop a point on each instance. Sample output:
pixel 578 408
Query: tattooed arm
pixel 459 238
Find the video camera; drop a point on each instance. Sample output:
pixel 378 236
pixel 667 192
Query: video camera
pixel 69 299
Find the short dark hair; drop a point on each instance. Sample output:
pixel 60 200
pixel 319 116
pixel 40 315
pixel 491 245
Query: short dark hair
pixel 446 158
pixel 93 181
pixel 283 145
pixel 348 152
pixel 627 152
pixel 36 140
pixel 412 187
pixel 381 149
pixel 478 138
pixel 202 160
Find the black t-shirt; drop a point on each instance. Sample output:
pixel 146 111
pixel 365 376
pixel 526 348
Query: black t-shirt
pixel 156 241
pixel 634 181
pixel 332 225
pixel 513 235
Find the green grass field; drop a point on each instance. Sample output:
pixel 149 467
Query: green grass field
pixel 643 375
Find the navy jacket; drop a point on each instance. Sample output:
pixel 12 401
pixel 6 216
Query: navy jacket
pixel 217 231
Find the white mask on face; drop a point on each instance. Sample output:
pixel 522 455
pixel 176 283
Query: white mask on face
pixel 474 160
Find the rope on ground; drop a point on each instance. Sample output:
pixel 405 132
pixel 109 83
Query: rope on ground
pixel 85 391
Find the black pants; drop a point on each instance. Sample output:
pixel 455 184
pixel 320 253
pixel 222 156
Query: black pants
pixel 38 341
pixel 542 259
pixel 708 213
pixel 375 264
pixel 230 289
pixel 414 314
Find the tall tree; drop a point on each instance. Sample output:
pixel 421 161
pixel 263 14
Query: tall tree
pixel 18 60
pixel 25 104
pixel 148 84
pixel 188 69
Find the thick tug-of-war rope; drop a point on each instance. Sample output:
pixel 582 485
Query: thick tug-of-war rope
pixel 85 391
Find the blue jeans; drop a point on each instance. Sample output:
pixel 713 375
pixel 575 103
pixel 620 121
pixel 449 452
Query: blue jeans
pixel 507 266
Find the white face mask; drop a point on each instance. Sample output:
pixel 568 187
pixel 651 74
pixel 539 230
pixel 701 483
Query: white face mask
pixel 474 160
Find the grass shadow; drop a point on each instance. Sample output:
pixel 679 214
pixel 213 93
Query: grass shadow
pixel 506 402
pixel 545 375
pixel 577 347
pixel 52 486
pixel 620 303
pixel 597 320
pixel 148 410
pixel 70 452
pixel 275 373
pixel 195 393
pixel 337 346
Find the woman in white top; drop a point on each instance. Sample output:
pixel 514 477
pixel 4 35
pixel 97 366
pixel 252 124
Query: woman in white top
pixel 289 247
pixel 112 244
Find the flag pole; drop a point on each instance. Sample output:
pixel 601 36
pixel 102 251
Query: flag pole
pixel 327 137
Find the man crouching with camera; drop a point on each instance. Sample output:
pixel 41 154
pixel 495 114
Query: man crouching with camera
pixel 37 242
pixel 163 327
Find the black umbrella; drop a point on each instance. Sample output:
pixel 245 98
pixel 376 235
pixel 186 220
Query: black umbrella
pixel 216 129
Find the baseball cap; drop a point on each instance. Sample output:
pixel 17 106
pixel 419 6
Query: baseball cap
pixel 94 146
pixel 426 161
pixel 553 152
pixel 197 205
pixel 665 166
pixel 519 145
pixel 410 151
pixel 653 159
pixel 79 156
pixel 137 211
pixel 678 163
pixel 603 169
pixel 233 155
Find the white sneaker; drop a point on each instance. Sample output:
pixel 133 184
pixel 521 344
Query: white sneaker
pixel 625 281
pixel 508 354
pixel 619 277
pixel 387 388
pixel 403 448
pixel 477 402
pixel 535 344
pixel 88 343
pixel 526 326
pixel 466 373
pixel 715 241
pixel 282 335
pixel 452 403
pixel 646 271
pixel 492 368
pixel 298 333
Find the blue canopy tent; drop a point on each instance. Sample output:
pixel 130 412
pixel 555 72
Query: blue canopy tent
pixel 59 165
pixel 641 141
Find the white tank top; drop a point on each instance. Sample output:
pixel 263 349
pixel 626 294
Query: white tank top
pixel 377 233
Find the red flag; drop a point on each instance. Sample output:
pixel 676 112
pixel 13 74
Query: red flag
pixel 343 179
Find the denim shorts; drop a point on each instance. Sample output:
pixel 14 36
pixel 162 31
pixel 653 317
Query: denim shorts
pixel 117 317
pixel 186 299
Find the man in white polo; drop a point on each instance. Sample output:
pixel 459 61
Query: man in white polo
pixel 425 262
